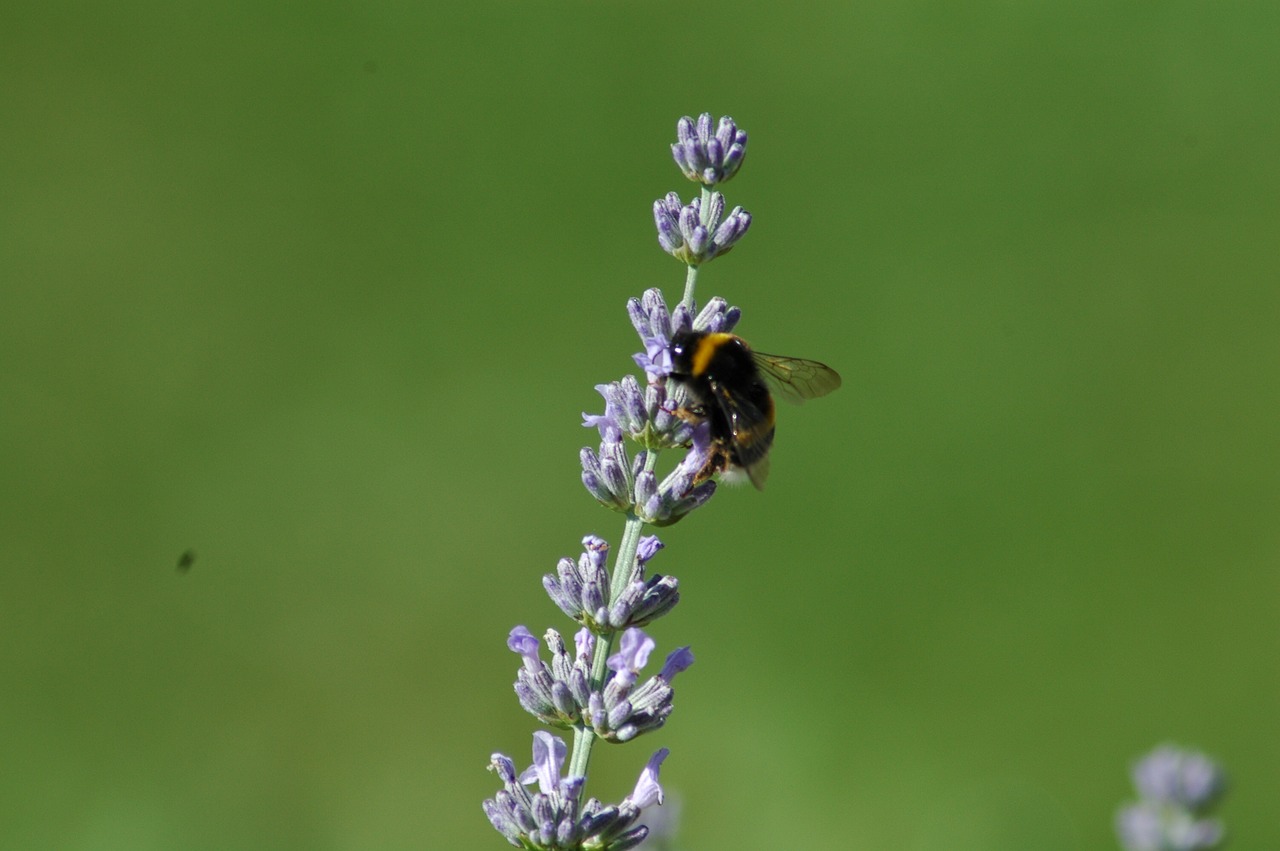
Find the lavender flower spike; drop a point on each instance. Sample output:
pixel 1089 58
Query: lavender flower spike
pixel 595 687
pixel 705 157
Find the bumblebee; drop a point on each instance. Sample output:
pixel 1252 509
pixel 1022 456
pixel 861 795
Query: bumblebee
pixel 728 384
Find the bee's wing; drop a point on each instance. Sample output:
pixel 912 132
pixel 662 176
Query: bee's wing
pixel 797 379
pixel 752 432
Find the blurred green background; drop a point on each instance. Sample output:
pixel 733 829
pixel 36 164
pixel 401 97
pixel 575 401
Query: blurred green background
pixel 319 291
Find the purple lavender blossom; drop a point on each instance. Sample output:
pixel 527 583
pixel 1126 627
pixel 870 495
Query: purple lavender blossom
pixel 523 642
pixel 548 757
pixel 648 548
pixel 694 236
pixel 552 819
pixel 560 694
pixel 678 660
pixel 609 475
pixel 706 157
pixel 654 322
pixel 647 791
pixel 634 655
pixel 579 589
pixel 651 419
pixel 666 502
pixel 545 691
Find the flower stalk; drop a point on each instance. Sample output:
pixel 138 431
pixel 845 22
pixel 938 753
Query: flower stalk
pixel 599 692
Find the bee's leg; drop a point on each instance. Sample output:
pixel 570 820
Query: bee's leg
pixel 717 462
pixel 692 414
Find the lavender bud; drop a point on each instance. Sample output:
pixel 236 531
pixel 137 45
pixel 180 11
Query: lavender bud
pixel 631 403
pixel 502 822
pixel 666 218
pixel 592 598
pixel 596 711
pixel 620 611
pixel 584 644
pixel 562 697
pixel 593 479
pixel 619 714
pixel 559 657
pixel 660 596
pixel 579 688
pixel 630 839
pixel 613 463
pixel 595 555
pixel 648 548
pixel 646 489
pixel 601 822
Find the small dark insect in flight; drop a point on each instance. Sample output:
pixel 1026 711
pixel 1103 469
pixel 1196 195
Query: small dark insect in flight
pixel 729 386
pixel 185 560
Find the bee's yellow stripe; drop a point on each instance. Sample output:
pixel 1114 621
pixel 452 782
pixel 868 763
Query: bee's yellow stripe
pixel 706 351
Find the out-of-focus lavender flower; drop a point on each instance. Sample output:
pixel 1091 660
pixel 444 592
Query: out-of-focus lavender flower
pixel 1174 776
pixel 692 238
pixel 1148 826
pixel 706 157
pixel 560 695
pixel 1175 787
pixel 551 818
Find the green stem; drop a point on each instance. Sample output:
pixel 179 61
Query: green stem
pixel 690 281
pixel 624 571
pixel 691 277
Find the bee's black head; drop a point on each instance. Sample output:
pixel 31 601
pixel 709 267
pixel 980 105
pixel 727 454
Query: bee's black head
pixel 683 346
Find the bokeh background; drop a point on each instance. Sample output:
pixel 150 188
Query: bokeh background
pixel 318 291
